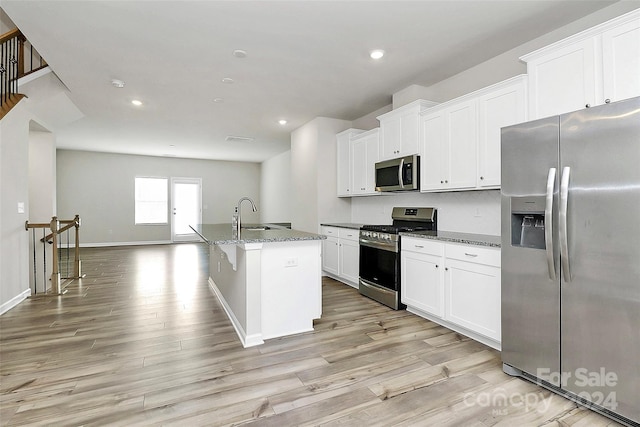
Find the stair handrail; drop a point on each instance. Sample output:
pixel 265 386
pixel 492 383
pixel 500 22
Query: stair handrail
pixel 54 226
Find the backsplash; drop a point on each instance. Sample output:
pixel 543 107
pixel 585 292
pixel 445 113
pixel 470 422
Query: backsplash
pixel 461 211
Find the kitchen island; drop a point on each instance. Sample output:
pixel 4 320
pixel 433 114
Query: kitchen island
pixel 268 278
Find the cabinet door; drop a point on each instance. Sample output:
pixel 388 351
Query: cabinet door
pixel 472 297
pixel 343 159
pixel 462 146
pixel 422 282
pixel 621 61
pixel 409 134
pixel 349 260
pixel 433 154
pixel 503 107
pixel 564 80
pixel 390 137
pixel 372 143
pixel 364 155
pixel 359 166
pixel 330 255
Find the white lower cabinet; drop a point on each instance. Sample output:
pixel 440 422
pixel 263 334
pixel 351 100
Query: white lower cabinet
pixel 456 285
pixel 422 275
pixel 341 254
pixel 331 255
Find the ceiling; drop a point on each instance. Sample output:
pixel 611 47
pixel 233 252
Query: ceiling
pixel 304 59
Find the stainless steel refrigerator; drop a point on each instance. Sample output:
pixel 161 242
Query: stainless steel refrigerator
pixel 571 256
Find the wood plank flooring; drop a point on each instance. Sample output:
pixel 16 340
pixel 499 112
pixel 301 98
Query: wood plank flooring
pixel 142 340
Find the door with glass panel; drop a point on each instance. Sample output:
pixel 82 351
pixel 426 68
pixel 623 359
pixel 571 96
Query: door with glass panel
pixel 186 208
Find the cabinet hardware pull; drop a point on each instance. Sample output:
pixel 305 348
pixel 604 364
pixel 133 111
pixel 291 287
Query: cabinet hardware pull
pixel 471 255
pixel 482 177
pixel 418 246
pixel 606 101
pixel 436 265
pixel 588 105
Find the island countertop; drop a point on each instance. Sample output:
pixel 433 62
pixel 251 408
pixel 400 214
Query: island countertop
pixel 223 234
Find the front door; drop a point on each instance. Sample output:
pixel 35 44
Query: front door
pixel 186 208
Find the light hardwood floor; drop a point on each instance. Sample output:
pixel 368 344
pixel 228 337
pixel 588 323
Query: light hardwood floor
pixel 143 341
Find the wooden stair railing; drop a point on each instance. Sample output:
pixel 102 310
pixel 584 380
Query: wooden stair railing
pixel 53 239
pixel 14 64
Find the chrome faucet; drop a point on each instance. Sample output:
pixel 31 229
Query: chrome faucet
pixel 238 211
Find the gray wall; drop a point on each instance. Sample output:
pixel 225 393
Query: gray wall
pixel 100 188
pixel 275 189
pixel 14 178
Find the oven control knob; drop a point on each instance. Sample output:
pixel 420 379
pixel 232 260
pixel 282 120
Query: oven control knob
pixel 374 235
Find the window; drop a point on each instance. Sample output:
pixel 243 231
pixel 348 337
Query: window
pixel 151 200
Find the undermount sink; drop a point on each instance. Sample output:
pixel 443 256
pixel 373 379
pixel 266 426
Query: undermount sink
pixel 256 228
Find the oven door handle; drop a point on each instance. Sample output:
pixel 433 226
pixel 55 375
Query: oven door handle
pixel 377 245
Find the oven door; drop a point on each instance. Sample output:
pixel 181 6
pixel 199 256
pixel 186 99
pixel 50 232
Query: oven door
pixel 379 264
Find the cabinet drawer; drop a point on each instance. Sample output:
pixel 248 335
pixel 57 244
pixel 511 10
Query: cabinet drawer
pixel 331 231
pixel 349 234
pixel 422 246
pixel 475 254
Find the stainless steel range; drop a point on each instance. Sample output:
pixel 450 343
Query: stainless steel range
pixel 380 253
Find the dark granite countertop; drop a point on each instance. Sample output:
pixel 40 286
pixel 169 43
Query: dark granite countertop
pixel 223 234
pixel 455 237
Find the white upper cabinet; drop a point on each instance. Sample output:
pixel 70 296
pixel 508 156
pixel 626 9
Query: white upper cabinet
pixel 504 105
pixel 594 67
pixel 621 61
pixel 399 130
pixel 343 158
pixel 364 155
pixel 460 139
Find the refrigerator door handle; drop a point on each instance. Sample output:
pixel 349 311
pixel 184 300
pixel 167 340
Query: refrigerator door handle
pixel 562 223
pixel 548 223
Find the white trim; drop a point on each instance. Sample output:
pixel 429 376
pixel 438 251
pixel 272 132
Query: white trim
pixel 32 76
pixel 246 340
pixel 457 328
pixel 15 301
pixel 595 31
pixel 140 243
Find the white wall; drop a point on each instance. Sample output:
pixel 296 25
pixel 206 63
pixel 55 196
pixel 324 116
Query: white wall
pixel 461 211
pixel 42 176
pixel 275 189
pixel 313 175
pixel 14 179
pixel 100 188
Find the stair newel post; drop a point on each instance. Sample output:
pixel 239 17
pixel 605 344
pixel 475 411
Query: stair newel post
pixel 55 272
pixel 77 264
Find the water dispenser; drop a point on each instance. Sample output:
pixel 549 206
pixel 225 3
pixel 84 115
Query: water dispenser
pixel 527 222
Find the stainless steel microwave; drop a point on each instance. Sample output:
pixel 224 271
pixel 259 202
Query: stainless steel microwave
pixel 402 174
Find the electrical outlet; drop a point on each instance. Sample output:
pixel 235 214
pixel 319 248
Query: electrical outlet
pixel 291 262
pixel 476 213
pixel 20 207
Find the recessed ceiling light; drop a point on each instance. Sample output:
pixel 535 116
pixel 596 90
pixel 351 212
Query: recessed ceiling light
pixel 239 53
pixel 117 83
pixel 136 102
pixel 218 100
pixel 227 80
pixel 282 122
pixel 376 54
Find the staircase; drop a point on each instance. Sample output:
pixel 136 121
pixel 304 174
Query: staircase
pixel 18 59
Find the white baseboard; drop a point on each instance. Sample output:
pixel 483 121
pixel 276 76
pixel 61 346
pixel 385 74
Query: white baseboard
pixel 141 243
pixel 246 340
pixel 15 301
